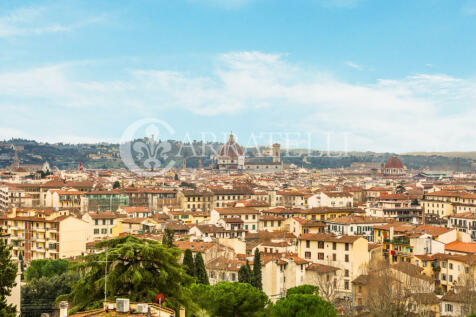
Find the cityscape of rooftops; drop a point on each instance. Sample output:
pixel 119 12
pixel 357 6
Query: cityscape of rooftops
pixel 237 158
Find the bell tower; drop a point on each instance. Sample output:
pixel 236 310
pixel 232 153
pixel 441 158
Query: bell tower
pixel 276 153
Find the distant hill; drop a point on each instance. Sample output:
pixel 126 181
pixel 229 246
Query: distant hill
pixel 466 155
pixel 105 155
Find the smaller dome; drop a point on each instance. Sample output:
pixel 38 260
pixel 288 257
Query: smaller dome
pixel 393 162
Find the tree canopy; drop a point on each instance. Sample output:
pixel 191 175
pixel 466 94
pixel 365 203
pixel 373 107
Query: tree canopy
pixel 8 274
pixel 302 301
pixel 38 295
pixel 230 299
pixel 45 268
pixel 303 289
pixel 137 269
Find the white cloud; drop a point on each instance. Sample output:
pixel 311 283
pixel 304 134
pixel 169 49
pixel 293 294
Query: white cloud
pixel 354 65
pixel 420 112
pixel 35 21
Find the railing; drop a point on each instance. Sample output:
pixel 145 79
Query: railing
pixel 398 241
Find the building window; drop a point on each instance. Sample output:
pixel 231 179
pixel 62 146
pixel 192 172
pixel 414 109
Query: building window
pixel 334 246
pixel 320 256
pixel 346 258
pixel 334 257
pixel 307 255
pixel 346 285
pixel 308 244
pixel 347 247
pixel 96 231
pixel 449 308
pixel 320 244
pixel 346 273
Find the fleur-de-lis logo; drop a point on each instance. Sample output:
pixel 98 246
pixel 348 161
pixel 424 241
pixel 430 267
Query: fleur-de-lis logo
pixel 146 156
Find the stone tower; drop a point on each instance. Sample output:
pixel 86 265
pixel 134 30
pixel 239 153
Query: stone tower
pixel 276 153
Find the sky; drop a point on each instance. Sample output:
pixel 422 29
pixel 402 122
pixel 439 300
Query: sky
pixel 366 75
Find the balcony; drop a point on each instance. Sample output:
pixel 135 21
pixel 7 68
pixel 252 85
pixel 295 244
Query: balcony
pixel 401 240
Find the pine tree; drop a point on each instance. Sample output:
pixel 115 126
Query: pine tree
pixel 188 263
pixel 257 279
pixel 200 271
pixel 8 274
pixel 136 268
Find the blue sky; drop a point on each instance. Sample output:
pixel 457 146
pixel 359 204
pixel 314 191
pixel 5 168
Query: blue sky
pixel 348 74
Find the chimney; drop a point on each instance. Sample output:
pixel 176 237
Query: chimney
pixel 182 312
pixel 63 306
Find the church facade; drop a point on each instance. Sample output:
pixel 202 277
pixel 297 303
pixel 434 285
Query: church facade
pixel 232 158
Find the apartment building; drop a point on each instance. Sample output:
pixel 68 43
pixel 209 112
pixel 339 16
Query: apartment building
pixel 192 200
pixel 446 203
pixel 249 216
pixel 135 226
pixel 336 199
pixel 222 197
pixel 101 224
pixel 355 225
pixel 104 200
pixel 136 212
pixel 397 207
pixel 326 213
pixel 70 198
pixel 268 222
pixel 38 237
pixel 298 226
pixel 223 269
pixel 38 191
pixel 348 253
pixel 464 222
pixel 291 199
pixel 4 200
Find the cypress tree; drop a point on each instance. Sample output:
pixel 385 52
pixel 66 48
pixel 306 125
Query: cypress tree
pixel 188 263
pixel 168 238
pixel 244 274
pixel 200 271
pixel 257 279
